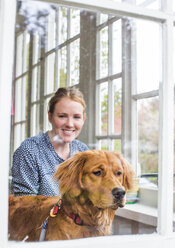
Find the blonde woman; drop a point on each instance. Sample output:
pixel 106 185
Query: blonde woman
pixel 37 158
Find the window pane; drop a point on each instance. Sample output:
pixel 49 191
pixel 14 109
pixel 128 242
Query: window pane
pixel 21 99
pixel 35 84
pixel 148 129
pixel 103 52
pixel 19 134
pixel 75 22
pixel 62 56
pixel 22 55
pixel 104 145
pixel 117 91
pixel 148 56
pixel 117 50
pixel 117 146
pixel 50 73
pixel 104 108
pixel 36 47
pixel 117 47
pixel 51 31
pixel 62 25
pixel 19 54
pixel 74 62
pixel 35 120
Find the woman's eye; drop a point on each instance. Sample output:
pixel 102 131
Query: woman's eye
pixel 77 117
pixel 61 116
pixel 97 173
pixel 118 173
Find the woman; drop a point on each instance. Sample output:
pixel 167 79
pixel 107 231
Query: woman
pixel 37 158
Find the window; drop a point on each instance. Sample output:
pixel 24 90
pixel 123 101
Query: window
pixel 124 113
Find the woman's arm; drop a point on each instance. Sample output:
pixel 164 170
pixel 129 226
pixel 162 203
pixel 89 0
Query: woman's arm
pixel 25 179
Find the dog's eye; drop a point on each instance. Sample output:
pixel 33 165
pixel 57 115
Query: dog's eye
pixel 118 173
pixel 97 173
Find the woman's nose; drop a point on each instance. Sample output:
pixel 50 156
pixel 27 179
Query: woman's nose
pixel 69 122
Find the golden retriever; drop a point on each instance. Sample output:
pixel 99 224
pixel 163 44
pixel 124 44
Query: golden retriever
pixel 93 185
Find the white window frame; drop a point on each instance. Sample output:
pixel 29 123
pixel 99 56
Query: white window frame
pixel 165 236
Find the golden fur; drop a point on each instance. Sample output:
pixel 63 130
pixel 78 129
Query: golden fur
pixel 89 184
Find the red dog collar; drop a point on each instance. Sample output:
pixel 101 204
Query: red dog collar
pixel 75 217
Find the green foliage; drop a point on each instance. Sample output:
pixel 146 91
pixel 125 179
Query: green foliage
pixel 62 78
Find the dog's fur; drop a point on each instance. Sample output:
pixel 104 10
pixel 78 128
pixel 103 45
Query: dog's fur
pixel 90 184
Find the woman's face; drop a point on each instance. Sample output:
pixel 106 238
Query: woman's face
pixel 67 119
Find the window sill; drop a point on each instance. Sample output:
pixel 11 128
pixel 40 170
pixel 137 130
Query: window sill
pixel 145 211
pixel 140 213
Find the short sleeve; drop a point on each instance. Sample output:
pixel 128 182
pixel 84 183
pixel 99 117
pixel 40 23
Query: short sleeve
pixel 25 178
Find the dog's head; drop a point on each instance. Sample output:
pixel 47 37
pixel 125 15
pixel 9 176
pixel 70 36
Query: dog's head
pixel 99 176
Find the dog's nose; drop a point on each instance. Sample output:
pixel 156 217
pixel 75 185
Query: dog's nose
pixel 118 193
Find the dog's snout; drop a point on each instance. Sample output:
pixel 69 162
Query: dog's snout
pixel 118 193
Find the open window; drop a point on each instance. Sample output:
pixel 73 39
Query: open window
pixel 120 56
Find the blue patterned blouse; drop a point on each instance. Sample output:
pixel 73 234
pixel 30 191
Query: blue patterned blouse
pixel 34 165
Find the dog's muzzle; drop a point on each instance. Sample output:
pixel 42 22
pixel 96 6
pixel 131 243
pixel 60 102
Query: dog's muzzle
pixel 118 194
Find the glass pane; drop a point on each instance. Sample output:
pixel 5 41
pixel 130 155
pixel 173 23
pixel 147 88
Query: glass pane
pixel 22 55
pixel 35 120
pixel 18 100
pixel 50 73
pixel 104 108
pixel 74 62
pixel 35 84
pixel 131 60
pixel 117 47
pixel 117 146
pixel 117 91
pixel 51 31
pixel 103 50
pixel 62 57
pixel 104 145
pixel 36 47
pixel 26 41
pixel 19 49
pixel 148 129
pixel 148 55
pixel 62 25
pixel 75 22
pixel 20 133
pixel 21 99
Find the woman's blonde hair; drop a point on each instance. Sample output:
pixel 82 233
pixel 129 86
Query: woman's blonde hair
pixel 72 93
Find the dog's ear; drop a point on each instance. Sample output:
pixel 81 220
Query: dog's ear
pixel 128 176
pixel 69 174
